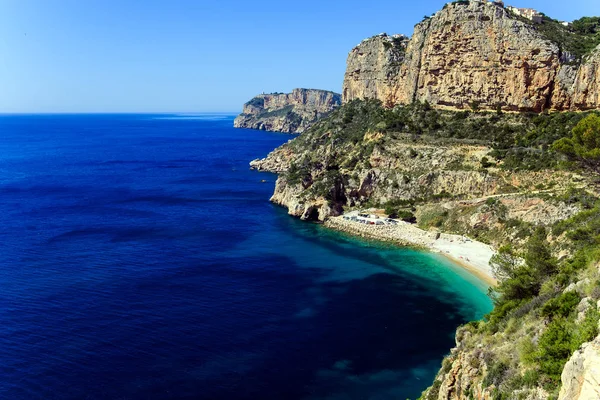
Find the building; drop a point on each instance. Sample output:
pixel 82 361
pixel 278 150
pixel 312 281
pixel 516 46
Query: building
pixel 529 13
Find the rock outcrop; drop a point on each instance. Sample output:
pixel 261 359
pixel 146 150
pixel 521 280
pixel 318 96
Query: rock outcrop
pixel 581 375
pixel 289 113
pixel 472 54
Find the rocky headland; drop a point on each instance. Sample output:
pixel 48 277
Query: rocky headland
pixel 477 54
pixel 287 112
pixel 451 131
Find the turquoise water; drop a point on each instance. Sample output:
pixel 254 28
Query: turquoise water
pixel 140 259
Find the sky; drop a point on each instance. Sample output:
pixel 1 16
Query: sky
pixel 192 56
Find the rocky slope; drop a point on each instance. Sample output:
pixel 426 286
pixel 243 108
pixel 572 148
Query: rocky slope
pixel 453 172
pixel 581 375
pixel 479 365
pixel 473 54
pixel 324 171
pixel 290 113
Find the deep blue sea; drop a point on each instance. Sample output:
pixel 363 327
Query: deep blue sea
pixel 140 259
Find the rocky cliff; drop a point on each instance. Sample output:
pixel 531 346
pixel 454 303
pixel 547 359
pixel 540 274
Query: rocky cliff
pixel 474 54
pixel 409 140
pixel 491 177
pixel 340 164
pixel 287 112
pixel 581 375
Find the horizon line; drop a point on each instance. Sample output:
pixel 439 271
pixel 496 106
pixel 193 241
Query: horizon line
pixel 118 112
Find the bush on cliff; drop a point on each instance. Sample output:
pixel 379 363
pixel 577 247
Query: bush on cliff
pixel 523 280
pixel 584 144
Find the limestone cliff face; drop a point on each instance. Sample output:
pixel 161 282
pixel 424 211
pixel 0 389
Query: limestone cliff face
pixel 581 375
pixel 374 67
pixel 290 113
pixel 472 52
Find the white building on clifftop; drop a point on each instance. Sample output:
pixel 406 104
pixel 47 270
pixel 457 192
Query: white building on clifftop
pixel 529 13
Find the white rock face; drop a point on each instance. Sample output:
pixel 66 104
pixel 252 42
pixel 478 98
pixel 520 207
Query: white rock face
pixel 581 375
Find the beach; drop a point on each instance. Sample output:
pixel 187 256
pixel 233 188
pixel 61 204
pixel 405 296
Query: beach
pixel 472 255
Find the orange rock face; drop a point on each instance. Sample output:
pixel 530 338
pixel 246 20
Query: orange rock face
pixel 474 54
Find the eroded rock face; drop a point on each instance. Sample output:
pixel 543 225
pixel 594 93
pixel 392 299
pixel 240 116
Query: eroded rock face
pixel 374 68
pixel 472 54
pixel 287 112
pixel 581 375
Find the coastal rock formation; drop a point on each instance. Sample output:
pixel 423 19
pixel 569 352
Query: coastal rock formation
pixel 473 54
pixel 289 113
pixel 581 375
pixel 374 68
pixel 401 170
pixel 399 145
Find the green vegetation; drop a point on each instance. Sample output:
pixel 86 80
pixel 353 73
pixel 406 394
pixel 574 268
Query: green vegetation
pixel 585 142
pixel 579 39
pixel 282 112
pixel 561 306
pixel 394 210
pixel 521 141
pixel 256 102
pixel 531 287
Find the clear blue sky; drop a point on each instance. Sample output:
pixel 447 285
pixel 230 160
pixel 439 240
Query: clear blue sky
pixel 191 56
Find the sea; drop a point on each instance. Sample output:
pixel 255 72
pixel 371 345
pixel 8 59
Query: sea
pixel 140 258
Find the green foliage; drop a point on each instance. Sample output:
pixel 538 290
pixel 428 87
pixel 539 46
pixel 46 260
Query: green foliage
pixel 531 378
pixel 586 25
pixel 505 262
pixel 256 102
pixel 539 257
pixel 521 141
pixel 561 306
pixel 518 280
pixel 579 39
pixel 588 329
pixel 495 374
pixel 585 142
pixel 296 173
pixel 499 313
pixel 527 351
pixel 555 348
pixel 485 163
pixel 578 196
pixel 560 339
pixel 282 112
pixel 407 216
pixel 433 218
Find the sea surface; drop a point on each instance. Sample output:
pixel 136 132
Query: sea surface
pixel 140 259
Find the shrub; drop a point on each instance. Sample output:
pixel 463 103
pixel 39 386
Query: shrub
pixel 555 347
pixel 407 216
pixel 495 374
pixel 527 351
pixel 485 163
pixel 531 378
pixel 561 306
pixel 539 257
pixel 585 142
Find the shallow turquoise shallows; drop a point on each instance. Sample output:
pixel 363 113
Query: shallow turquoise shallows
pixel 140 259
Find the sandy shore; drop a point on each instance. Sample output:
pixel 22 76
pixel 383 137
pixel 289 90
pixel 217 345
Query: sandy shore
pixel 470 254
